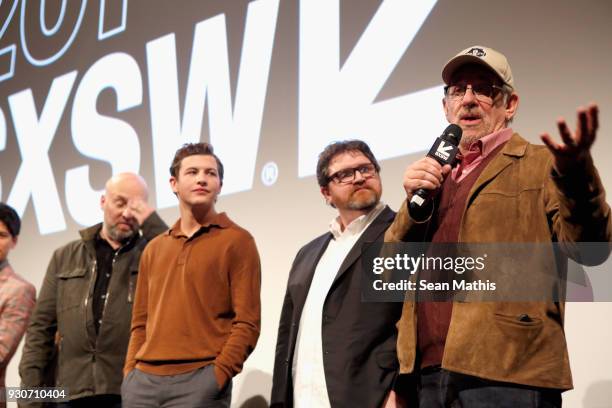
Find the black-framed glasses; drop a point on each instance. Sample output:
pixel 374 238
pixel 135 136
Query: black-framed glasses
pixel 483 92
pixel 346 176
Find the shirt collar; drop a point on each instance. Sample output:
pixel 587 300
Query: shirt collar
pixel 357 225
pixel 220 220
pixel 485 145
pixel 495 139
pixel 488 143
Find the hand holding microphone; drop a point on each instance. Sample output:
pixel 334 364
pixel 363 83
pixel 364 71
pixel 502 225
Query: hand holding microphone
pixel 426 175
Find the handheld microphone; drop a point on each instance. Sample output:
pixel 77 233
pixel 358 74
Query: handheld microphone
pixel 444 150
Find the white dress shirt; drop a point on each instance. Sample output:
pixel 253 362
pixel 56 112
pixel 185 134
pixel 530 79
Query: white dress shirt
pixel 309 386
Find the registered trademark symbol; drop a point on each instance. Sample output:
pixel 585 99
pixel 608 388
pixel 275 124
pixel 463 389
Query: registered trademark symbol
pixel 269 173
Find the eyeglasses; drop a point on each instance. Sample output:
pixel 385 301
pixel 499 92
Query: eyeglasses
pixel 346 176
pixel 483 92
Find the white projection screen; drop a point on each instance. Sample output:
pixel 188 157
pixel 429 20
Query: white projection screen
pixel 92 88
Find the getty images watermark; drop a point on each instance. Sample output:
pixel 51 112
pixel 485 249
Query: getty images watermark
pixel 412 264
pixel 486 272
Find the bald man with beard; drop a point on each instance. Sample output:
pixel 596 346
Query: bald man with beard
pixel 85 303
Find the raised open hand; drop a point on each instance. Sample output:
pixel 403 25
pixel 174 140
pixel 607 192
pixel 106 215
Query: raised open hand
pixel 576 147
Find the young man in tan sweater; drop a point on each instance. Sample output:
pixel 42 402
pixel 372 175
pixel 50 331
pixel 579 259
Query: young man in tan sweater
pixel 196 314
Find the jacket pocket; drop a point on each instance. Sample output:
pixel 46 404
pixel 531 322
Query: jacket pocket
pixel 133 279
pixel 59 343
pixel 72 288
pixel 519 326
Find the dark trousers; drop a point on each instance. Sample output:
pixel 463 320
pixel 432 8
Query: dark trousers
pixel 96 401
pixel 438 388
pixel 197 388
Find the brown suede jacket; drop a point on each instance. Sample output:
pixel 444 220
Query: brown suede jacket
pixel 517 198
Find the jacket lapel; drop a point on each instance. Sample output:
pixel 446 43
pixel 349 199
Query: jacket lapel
pixel 376 228
pixel 305 272
pixel 515 147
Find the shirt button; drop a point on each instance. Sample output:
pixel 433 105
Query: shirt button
pixel 99 321
pixel 108 275
pixel 103 296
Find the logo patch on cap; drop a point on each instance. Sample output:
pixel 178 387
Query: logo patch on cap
pixel 477 52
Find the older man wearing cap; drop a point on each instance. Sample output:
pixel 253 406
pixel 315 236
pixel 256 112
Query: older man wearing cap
pixel 502 354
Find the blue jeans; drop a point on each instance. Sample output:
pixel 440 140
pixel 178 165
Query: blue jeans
pixel 439 388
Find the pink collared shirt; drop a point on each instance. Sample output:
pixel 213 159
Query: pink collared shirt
pixel 478 151
pixel 17 299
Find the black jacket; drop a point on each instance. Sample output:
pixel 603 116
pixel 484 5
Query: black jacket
pixel 87 364
pixel 359 338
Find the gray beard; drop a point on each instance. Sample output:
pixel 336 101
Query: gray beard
pixel 366 204
pixel 118 236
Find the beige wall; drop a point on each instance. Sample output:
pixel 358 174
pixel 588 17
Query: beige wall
pixel 561 56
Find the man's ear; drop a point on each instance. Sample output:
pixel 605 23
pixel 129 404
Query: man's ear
pixel 511 106
pixel 173 184
pixel 445 108
pixel 326 195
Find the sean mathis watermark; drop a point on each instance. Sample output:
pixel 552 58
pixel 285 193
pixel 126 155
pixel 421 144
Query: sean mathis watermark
pixel 424 285
pixel 486 272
